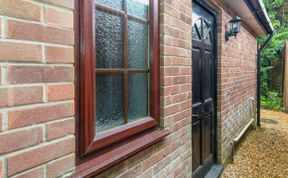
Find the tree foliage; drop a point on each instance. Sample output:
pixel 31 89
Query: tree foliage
pixel 278 13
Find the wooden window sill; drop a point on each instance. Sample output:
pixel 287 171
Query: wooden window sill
pixel 114 156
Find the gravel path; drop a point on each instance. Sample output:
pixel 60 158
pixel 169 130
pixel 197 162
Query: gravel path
pixel 264 153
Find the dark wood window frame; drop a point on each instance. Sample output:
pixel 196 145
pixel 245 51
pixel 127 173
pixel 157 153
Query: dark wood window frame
pixel 95 154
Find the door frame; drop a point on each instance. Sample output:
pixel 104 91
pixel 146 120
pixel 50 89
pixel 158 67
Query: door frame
pixel 208 7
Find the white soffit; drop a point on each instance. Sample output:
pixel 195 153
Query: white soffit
pixel 243 11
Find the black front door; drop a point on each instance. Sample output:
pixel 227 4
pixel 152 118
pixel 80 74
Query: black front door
pixel 203 90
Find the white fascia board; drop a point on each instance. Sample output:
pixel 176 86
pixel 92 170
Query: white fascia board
pixel 243 11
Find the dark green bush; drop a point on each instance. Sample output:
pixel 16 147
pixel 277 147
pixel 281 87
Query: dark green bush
pixel 272 102
pixel 278 13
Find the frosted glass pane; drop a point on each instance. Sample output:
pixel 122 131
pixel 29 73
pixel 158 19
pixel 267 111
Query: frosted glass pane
pixel 138 44
pixel 139 8
pixel 138 96
pixel 109 101
pixel 117 4
pixel 109 40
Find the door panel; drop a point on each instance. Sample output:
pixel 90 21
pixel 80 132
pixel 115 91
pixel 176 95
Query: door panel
pixel 207 127
pixel 207 75
pixel 196 53
pixel 196 147
pixel 203 91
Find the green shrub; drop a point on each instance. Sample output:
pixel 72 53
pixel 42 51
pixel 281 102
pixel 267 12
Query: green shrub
pixel 273 102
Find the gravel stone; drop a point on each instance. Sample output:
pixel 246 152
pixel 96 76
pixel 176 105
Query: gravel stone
pixel 264 152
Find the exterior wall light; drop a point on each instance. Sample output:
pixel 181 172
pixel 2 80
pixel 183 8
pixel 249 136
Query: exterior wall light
pixel 233 27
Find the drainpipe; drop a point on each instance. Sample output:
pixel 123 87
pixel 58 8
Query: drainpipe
pixel 260 49
pixel 257 7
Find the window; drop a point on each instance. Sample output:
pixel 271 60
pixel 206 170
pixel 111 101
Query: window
pixel 122 62
pixel 118 77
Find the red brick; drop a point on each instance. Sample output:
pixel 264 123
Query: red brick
pixel 60 128
pixel 134 172
pixel 160 155
pixel 174 51
pixel 0 74
pixel 20 52
pixel 15 140
pixel 179 170
pixel 147 174
pixel 13 96
pixel 60 92
pixel 60 166
pixel 177 23
pixel 136 159
pixel 59 18
pixel 20 9
pixel 59 55
pixel 39 155
pixel 116 170
pixel 170 31
pixel 39 74
pixel 64 3
pixel 170 10
pixel 0 28
pixel 1 168
pixel 37 32
pixel 169 110
pixel 39 114
pixel 153 160
pixel 34 173
pixel 185 18
pixel 0 122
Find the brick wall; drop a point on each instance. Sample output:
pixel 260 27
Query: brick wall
pixel 36 88
pixel 236 80
pixel 172 156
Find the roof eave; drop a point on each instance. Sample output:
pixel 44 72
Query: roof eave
pixel 254 14
pixel 258 9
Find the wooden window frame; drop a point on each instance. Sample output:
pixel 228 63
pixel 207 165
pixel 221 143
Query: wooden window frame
pixel 130 138
pixel 126 70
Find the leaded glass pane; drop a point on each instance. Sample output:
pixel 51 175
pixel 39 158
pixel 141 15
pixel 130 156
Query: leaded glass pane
pixel 117 4
pixel 139 8
pixel 109 101
pixel 109 40
pixel 195 35
pixel 138 96
pixel 138 44
pixel 208 37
